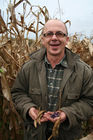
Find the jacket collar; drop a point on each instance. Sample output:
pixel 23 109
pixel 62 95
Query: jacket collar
pixel 39 55
pixel 71 57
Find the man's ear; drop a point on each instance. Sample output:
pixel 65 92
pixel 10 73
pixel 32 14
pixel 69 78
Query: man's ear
pixel 42 41
pixel 67 39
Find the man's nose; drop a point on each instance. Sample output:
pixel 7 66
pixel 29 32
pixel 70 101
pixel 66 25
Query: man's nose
pixel 54 36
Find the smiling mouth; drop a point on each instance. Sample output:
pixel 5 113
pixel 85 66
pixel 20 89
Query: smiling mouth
pixel 54 45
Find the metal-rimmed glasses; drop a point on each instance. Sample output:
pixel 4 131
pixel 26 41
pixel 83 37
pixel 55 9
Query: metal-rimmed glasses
pixel 58 34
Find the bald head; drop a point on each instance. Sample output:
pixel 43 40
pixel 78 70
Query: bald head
pixel 55 23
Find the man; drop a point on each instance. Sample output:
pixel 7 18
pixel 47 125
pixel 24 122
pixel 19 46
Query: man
pixel 57 81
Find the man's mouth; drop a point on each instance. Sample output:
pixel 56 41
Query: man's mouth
pixel 54 44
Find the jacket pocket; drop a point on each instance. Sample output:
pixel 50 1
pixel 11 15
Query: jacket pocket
pixel 30 132
pixel 71 98
pixel 36 96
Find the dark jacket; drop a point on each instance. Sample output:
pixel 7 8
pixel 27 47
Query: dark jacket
pixel 30 90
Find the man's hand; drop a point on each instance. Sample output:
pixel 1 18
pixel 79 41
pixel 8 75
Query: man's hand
pixel 54 116
pixel 33 113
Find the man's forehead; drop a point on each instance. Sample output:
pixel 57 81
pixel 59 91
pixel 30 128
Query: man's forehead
pixel 54 23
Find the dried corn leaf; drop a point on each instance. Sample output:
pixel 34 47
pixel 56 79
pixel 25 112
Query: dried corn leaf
pixel 16 4
pixel 67 21
pixel 5 88
pixel 3 27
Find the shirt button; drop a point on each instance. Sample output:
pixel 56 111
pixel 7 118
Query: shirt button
pixel 50 70
pixel 51 84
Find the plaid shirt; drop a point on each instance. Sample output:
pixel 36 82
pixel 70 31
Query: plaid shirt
pixel 54 79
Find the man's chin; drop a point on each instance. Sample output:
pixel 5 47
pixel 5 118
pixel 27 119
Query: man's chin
pixel 54 53
pixel 54 47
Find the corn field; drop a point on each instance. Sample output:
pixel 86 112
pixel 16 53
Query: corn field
pixel 16 45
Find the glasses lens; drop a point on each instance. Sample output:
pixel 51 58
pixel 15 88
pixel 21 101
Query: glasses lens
pixel 60 34
pixel 49 34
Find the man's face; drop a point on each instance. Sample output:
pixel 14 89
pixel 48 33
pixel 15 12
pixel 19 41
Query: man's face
pixel 54 39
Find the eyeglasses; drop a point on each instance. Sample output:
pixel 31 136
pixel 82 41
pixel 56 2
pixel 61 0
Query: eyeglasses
pixel 58 34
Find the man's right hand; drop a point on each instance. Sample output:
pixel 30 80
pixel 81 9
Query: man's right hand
pixel 33 113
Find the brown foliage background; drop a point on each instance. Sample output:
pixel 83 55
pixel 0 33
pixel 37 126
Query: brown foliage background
pixel 15 48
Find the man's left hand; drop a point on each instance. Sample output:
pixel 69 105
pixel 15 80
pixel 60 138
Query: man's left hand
pixel 49 114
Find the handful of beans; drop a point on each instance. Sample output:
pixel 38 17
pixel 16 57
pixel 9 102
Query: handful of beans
pixel 55 114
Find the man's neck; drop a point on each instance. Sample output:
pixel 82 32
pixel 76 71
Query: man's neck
pixel 54 59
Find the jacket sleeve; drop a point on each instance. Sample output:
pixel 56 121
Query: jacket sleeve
pixel 20 95
pixel 83 108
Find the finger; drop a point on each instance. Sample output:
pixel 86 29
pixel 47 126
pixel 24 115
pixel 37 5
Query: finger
pixel 33 113
pixel 48 114
pixel 44 120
